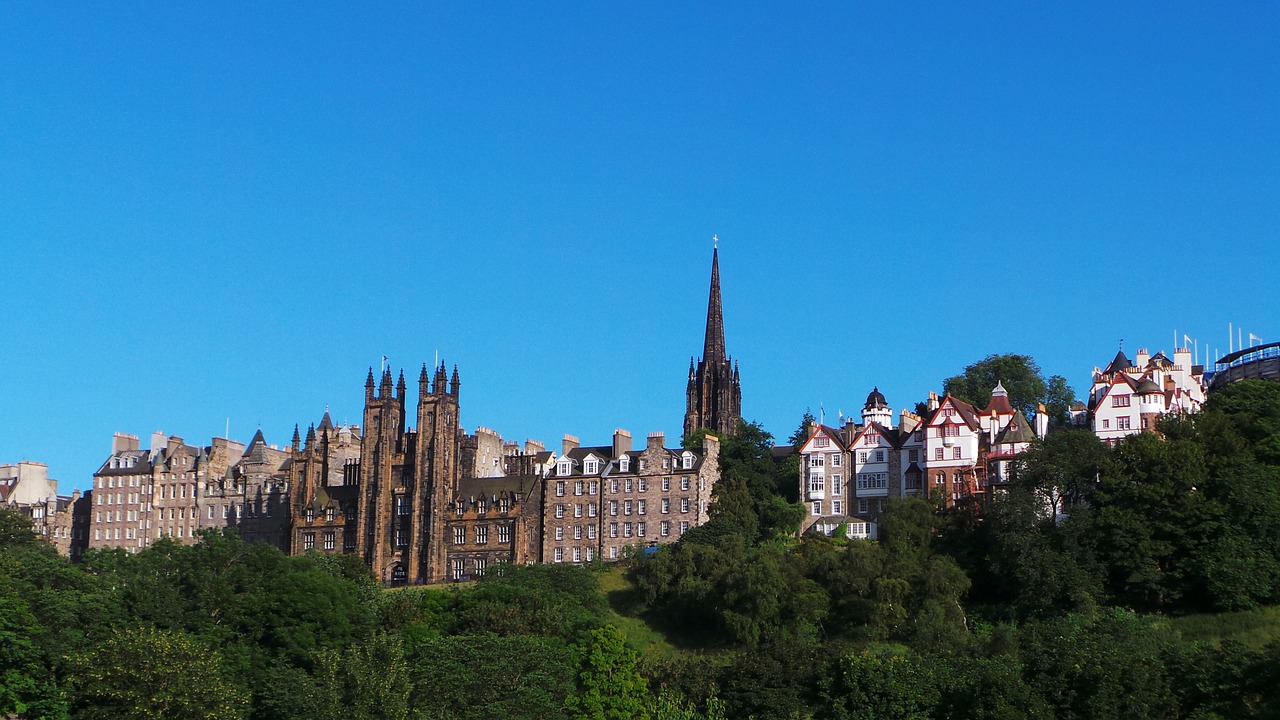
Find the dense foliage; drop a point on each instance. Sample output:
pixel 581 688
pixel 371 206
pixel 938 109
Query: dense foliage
pixel 1063 599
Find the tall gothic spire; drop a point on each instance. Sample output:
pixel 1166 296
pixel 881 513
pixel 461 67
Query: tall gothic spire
pixel 713 346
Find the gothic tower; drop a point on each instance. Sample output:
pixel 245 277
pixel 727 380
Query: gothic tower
pixel 713 398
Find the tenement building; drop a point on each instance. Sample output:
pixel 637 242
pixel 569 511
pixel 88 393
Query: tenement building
pixel 955 453
pixel 603 500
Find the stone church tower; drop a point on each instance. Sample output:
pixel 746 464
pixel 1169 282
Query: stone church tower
pixel 407 477
pixel 713 399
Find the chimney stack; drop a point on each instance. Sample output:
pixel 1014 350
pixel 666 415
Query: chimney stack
pixel 570 443
pixel 621 442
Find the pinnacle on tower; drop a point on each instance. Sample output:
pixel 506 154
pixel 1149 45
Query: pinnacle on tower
pixel 454 383
pixel 400 385
pixel 713 344
pixel 423 379
pixel 368 385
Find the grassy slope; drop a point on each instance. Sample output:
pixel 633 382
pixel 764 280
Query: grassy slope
pixel 1254 628
pixel 624 614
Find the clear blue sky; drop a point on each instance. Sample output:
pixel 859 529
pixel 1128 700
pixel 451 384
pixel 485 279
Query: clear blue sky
pixel 232 210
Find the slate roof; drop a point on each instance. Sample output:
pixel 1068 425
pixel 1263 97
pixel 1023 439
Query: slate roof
pixel 1120 363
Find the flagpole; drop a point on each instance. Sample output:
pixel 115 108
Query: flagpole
pixel 1231 337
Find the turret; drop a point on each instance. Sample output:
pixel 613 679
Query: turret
pixel 384 388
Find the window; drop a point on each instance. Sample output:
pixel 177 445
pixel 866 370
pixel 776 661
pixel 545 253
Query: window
pixel 613 507
pixel 628 484
pixel 879 456
pixel 613 551
pixel 627 507
pixel 913 456
pixel 835 459
pixel 1106 424
pixel 644 484
pixel 836 507
pixel 640 506
pixel 937 453
pixel 591 532
pixel 577 510
pixel 624 464
pixel 459 569
pixel 560 489
pixel 577 554
pixel 864 457
pixel 577 532
pixel 956 453
pixel 560 510
pixel 564 468
pixel 504 534
pixel 950 431
pixel 1120 400
pixel 329 513
pixel 210 512
pixel 559 533
pixel 863 506
pixel 1122 423
pixel 684 505
pixel 401 538
pixel 940 478
pixel 613 530
pixel 664 528
pixel 626 529
pixel 459 507
pixel 577 488
pixel 459 536
pixel 666 505
pixel 639 529
pixel 613 486
pixel 329 538
pixel 836 485
pixel 684 483
pixel 591 509
pixel 558 555
pixel 684 527
pixel 666 484
pixel 482 534
pixel 816 482
pixel 591 467
pixel 482 507
pixel 480 566
pixel 308 541
pixel 687 459
pixel 592 487
pixel 311 514
pixel 870 439
pixel 821 441
pixel 591 554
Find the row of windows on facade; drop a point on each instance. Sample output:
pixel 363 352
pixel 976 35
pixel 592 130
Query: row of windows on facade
pixel 838 507
pixel 1123 423
pixel 627 485
pixel 626 529
pixel 628 507
pixel 180 490
pixel 592 466
pixel 181 513
pixel 328 540
pixel 863 481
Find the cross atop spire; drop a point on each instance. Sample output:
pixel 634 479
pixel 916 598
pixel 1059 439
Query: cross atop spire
pixel 713 344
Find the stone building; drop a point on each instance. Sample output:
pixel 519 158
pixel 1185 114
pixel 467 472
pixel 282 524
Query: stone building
pixel 27 488
pixel 602 500
pixel 713 395
pixel 1128 397
pixel 494 519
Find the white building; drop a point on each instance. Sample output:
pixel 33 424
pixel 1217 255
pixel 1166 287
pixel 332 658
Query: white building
pixel 1128 397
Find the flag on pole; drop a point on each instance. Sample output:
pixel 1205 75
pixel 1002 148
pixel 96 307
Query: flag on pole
pixel 1253 338
pixel 1186 340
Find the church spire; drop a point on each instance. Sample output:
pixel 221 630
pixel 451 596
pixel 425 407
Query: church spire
pixel 713 346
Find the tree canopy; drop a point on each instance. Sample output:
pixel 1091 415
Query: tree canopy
pixel 1022 379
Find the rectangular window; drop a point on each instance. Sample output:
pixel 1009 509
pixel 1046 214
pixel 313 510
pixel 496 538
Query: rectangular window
pixel 560 489
pixel 879 456
pixel 640 529
pixel 613 507
pixel 591 509
pixel 591 532
pixel 308 541
pixel 835 459
pixel 481 563
pixel 559 533
pixel 666 505
pixel 950 431
pixel 873 481
pixel 956 453
pixel 1106 424
pixel 210 512
pixel 684 505
pixel 577 532
pixel 627 507
pixel 816 461
pixel 482 534
pixel 504 534
pixel 640 507
pixel 577 554
pixel 329 541
pixel 577 511
pixel 836 507
pixel 628 484
pixel 626 529
pixel 666 484
pixel 558 554
pixel 577 488
pixel 644 484
pixel 937 453
pixel 613 530
pixel 684 527
pixel 459 569
pixel 665 528
pixel 836 485
pixel 821 441
pixel 913 456
pixel 559 511
pixel 401 540
pixel 459 536
pixel 1122 423
pixel 817 508
pixel 1120 400
pixel 329 512
pixel 863 506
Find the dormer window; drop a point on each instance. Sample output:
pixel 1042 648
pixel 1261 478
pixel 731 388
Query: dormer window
pixel 688 461
pixel 624 464
pixel 482 507
pixel 564 467
pixel 591 467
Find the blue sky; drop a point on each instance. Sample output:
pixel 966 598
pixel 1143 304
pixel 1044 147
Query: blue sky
pixel 232 210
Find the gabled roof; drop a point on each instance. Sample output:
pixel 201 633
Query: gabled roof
pixel 962 408
pixel 823 431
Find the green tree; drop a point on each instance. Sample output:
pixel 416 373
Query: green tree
pixel 15 529
pixel 475 677
pixel 149 673
pixel 609 687
pixel 1021 378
